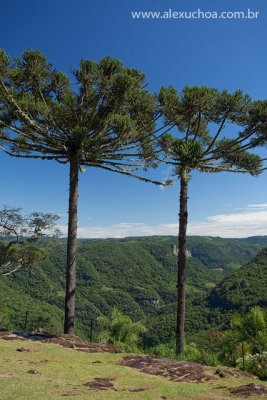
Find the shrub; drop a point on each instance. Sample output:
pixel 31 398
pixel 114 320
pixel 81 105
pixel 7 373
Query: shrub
pixel 256 364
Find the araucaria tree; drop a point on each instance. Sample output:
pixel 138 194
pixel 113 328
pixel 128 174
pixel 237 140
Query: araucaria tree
pixel 198 116
pixel 104 121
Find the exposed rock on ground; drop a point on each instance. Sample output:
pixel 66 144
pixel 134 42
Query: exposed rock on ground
pixel 33 372
pixel 176 371
pixel 253 389
pixel 21 349
pixel 101 384
pixel 107 384
pixel 234 373
pixel 173 370
pixel 70 341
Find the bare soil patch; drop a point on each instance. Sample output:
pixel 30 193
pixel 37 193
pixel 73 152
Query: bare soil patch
pixel 6 375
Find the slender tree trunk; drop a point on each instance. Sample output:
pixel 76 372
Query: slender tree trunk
pixel 71 247
pixel 181 266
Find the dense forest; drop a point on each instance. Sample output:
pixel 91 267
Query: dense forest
pixel 138 275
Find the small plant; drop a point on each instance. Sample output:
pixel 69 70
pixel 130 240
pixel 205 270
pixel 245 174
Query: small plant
pixel 121 331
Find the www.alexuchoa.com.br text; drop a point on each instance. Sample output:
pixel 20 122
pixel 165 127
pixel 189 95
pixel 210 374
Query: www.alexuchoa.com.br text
pixel 196 14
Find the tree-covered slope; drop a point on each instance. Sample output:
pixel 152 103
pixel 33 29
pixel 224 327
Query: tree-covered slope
pixel 20 311
pixel 229 254
pixel 244 288
pixel 138 277
pixel 238 292
pixel 215 252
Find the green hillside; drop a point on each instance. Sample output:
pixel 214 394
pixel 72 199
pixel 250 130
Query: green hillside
pixel 244 288
pixel 228 254
pixel 238 292
pixel 138 275
pixel 215 252
pixel 139 278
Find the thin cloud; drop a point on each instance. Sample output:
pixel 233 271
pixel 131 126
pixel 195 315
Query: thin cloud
pixel 124 229
pixel 258 205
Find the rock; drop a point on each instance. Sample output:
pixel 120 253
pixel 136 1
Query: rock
pixel 34 372
pixel 21 349
pixel 221 373
pixel 138 390
pixel 252 389
pixel 100 384
pixel 70 341
pixel 234 373
pixel 70 394
pixel 176 371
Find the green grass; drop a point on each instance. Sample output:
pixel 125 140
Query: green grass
pixel 67 370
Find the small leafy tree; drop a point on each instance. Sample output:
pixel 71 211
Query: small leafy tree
pixel 198 115
pixel 251 328
pixel 21 237
pixel 121 331
pixel 105 121
pixel 245 343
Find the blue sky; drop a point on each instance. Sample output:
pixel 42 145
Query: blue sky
pixel 227 54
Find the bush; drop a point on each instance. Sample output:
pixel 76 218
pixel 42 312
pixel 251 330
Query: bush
pixel 208 358
pixel 164 350
pixel 4 318
pixel 256 364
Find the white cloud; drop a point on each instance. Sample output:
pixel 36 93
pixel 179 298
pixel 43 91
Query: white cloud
pixel 251 222
pixel 124 229
pixel 258 205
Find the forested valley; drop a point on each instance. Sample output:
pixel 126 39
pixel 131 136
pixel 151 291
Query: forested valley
pixel 138 276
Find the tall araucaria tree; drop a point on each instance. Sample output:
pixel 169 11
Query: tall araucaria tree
pixel 105 121
pixel 198 116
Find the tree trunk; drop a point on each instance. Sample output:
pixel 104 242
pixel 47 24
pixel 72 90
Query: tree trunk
pixel 71 247
pixel 183 216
